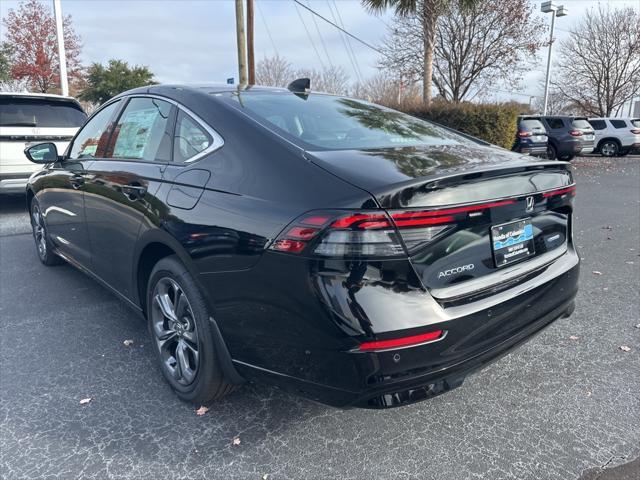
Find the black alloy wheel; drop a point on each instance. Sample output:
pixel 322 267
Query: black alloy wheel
pixel 41 237
pixel 179 324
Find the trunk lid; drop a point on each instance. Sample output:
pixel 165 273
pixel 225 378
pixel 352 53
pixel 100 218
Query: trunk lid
pixel 473 219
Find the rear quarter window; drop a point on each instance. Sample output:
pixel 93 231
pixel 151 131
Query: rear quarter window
pixel 531 124
pixel 581 123
pixel 555 123
pixel 598 124
pixel 40 112
pixel 618 123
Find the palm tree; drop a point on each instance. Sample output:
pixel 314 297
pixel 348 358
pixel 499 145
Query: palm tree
pixel 429 11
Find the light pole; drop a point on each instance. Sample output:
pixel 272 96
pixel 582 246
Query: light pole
pixel 556 11
pixel 64 83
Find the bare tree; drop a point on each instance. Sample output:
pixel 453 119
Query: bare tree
pixel 599 65
pixel 332 79
pixel 557 104
pixel 386 89
pixel 274 72
pixel 476 45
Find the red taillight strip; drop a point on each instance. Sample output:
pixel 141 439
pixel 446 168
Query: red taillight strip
pixel 452 211
pixel 571 190
pixel 425 221
pixel 401 342
pixel 346 222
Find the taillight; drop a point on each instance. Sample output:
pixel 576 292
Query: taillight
pixel 636 131
pixel 372 233
pixel 575 133
pixel 524 134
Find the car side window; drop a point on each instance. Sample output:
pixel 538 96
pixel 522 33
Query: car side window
pixel 555 123
pixel 598 124
pixel 618 123
pixel 91 141
pixel 143 131
pixel 190 138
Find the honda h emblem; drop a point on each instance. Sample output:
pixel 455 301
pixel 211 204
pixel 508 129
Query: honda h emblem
pixel 530 203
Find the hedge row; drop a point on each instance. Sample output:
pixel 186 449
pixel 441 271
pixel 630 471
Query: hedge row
pixel 494 123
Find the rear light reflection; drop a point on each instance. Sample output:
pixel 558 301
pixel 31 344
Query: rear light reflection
pixel 562 191
pixel 378 345
pixel 286 245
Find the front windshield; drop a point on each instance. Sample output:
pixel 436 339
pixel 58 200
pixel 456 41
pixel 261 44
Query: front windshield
pixel 335 123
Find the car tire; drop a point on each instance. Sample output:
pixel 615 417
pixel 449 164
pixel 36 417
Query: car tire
pixel 552 152
pixel 178 322
pixel 566 158
pixel 44 246
pixel 609 148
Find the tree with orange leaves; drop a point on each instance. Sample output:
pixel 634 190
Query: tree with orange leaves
pixel 30 33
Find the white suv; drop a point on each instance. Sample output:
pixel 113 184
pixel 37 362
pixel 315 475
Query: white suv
pixel 616 136
pixel 30 118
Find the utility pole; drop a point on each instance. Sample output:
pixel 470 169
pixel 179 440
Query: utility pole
pixel 64 83
pixel 242 51
pixel 251 60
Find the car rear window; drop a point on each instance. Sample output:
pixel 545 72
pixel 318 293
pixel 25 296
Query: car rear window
pixel 40 112
pixel 335 123
pixel 635 122
pixel 531 124
pixel 582 123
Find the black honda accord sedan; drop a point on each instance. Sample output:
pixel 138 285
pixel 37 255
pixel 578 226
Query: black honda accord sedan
pixel 341 250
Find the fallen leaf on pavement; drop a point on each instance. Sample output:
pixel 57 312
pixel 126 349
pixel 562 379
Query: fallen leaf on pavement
pixel 629 263
pixel 265 476
pixel 596 272
pixel 201 411
pixel 128 343
pixel 573 337
pixel 84 401
pixel 236 441
pixel 638 325
pixel 624 348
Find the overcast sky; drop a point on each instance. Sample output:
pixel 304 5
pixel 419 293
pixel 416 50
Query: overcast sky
pixel 194 41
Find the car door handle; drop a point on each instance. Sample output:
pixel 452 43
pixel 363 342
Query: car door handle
pixel 76 181
pixel 134 192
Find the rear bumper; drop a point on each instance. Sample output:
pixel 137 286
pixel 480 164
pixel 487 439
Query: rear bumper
pixel 346 378
pixel 533 149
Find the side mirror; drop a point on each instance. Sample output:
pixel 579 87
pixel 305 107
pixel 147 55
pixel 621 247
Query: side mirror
pixel 42 153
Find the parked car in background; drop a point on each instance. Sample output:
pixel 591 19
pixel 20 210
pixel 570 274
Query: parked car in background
pixel 531 136
pixel 339 249
pixel 27 119
pixel 568 136
pixel 616 136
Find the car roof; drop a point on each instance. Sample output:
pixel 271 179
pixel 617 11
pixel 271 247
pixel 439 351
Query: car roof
pixel 51 96
pixel 613 118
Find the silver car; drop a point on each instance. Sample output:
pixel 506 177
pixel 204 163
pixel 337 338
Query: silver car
pixel 27 119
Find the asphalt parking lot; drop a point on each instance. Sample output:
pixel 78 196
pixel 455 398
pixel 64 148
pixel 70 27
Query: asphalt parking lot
pixel 564 406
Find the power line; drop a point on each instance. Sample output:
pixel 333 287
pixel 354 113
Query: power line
pixel 266 26
pixel 346 47
pixel 308 34
pixel 339 28
pixel 324 47
pixel 353 54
